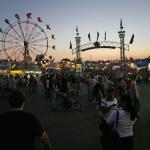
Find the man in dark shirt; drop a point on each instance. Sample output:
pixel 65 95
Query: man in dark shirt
pixel 18 129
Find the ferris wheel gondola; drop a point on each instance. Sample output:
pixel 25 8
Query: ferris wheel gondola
pixel 23 40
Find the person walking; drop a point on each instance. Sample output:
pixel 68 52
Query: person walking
pixel 125 122
pixel 19 129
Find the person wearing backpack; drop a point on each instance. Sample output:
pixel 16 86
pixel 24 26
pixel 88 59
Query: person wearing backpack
pixel 125 122
pixel 109 136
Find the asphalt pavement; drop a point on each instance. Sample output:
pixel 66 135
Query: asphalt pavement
pixel 78 130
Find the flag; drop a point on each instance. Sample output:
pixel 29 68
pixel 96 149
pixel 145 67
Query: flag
pixel 132 38
pixel 29 15
pixel 53 47
pixel 17 16
pixel 105 36
pixel 70 45
pixel 39 19
pixel 89 37
pixel 77 29
pixel 53 36
pixel 97 35
pixel 121 24
pixel 47 27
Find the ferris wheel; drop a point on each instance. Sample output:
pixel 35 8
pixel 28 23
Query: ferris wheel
pixel 24 40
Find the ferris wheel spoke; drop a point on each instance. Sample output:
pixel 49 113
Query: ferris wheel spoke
pixel 12 48
pixel 38 45
pixel 19 50
pixel 10 42
pixel 27 28
pixel 5 53
pixel 38 40
pixel 21 30
pixel 16 32
pixel 13 54
pixel 12 36
pixel 41 52
pixel 35 36
pixel 32 31
pixel 32 51
pixel 16 55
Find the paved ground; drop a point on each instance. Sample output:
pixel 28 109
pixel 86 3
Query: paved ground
pixel 78 130
pixel 142 127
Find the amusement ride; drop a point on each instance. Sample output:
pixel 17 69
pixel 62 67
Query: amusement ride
pixel 25 40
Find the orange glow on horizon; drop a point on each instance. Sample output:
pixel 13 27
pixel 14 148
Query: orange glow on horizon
pixel 101 54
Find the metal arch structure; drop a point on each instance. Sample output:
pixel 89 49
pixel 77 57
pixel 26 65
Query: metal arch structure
pixel 100 44
pixel 103 44
pixel 24 38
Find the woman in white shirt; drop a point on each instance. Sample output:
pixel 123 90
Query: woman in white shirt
pixel 125 123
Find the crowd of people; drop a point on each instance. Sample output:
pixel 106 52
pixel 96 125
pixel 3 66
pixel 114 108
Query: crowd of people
pixel 112 96
pixel 118 104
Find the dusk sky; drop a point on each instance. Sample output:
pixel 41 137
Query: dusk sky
pixel 90 16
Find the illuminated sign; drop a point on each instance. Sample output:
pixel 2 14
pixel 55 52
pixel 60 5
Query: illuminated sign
pixel 78 67
pixel 13 66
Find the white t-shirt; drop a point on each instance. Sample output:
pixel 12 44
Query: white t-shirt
pixel 108 103
pixel 125 124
